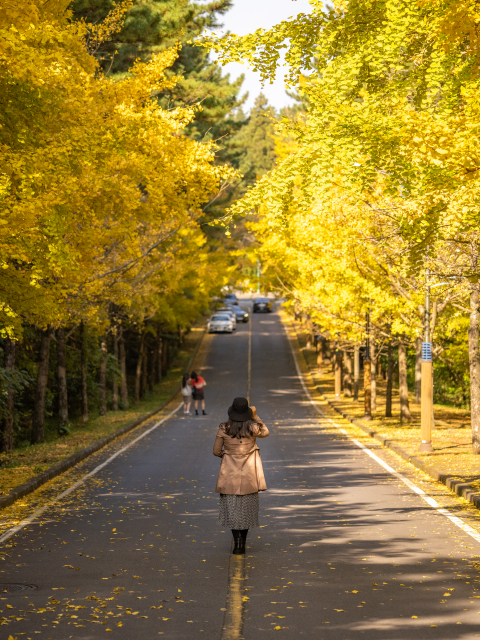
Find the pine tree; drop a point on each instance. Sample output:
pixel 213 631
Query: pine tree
pixel 150 25
pixel 256 143
pixel 153 25
pixel 252 152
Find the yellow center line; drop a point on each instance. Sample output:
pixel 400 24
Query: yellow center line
pixel 249 373
pixel 233 620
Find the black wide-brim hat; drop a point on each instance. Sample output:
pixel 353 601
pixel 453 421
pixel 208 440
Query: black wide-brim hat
pixel 240 411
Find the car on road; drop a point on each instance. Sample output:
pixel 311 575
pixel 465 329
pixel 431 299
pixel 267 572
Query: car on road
pixel 230 312
pixel 261 305
pixel 240 314
pixel 221 323
pixel 231 297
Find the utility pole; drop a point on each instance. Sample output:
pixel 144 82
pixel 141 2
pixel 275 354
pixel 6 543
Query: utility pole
pixel 427 376
pixel 258 275
pixel 367 373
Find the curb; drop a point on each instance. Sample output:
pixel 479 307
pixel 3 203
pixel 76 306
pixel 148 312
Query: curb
pixel 457 485
pixel 62 466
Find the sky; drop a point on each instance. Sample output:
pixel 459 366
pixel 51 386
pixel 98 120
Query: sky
pixel 247 16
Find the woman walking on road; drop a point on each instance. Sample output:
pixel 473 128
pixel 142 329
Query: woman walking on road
pixel 241 472
pixel 186 393
pixel 198 384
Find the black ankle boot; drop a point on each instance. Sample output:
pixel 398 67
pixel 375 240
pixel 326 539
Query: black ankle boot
pixel 243 539
pixel 237 549
pixel 204 412
pixel 196 412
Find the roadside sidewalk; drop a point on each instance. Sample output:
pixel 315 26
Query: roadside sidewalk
pixel 451 462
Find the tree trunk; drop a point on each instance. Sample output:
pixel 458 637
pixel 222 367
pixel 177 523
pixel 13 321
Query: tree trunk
pixel 356 371
pixel 159 359
pixel 83 369
pixel 138 373
pixel 154 364
pixel 123 370
pixel 374 375
pixel 338 373
pixel 103 377
pixel 62 379
pixel 367 388
pixel 38 418
pixel 474 358
pixel 144 379
pixel 388 399
pixel 405 415
pixel 150 368
pixel 378 367
pixel 115 379
pixel 319 355
pixel 6 444
pixel 418 370
pixel 165 350
pixel 347 376
pixel 326 351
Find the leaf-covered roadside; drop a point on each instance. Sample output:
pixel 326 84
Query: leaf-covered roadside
pixel 452 442
pixel 25 462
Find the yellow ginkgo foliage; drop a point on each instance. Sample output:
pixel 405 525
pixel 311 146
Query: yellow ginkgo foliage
pixel 95 177
pixel 393 121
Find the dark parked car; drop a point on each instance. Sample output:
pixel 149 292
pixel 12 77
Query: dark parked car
pixel 240 314
pixel 231 298
pixel 261 305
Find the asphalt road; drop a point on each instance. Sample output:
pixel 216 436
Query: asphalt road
pixel 344 551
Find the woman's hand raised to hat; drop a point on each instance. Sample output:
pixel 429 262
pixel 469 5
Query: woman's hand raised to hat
pixel 254 412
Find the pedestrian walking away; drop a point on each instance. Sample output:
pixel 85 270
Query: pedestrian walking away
pixel 186 393
pixel 198 385
pixel 241 473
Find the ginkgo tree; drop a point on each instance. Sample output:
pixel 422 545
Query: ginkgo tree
pixel 95 174
pixel 101 193
pixel 393 118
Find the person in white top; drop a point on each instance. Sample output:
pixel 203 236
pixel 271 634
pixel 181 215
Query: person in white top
pixel 187 394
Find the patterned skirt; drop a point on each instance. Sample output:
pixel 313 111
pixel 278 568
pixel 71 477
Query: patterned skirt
pixel 239 512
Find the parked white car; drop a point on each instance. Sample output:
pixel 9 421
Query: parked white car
pixel 228 310
pixel 221 323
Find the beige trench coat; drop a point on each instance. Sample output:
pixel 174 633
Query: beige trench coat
pixel 241 470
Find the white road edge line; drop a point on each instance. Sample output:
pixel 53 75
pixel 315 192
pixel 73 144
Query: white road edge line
pixel 430 501
pixel 10 532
